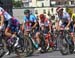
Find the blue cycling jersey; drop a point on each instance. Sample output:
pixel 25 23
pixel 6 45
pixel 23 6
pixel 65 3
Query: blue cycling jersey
pixel 29 21
pixel 13 25
pixel 31 18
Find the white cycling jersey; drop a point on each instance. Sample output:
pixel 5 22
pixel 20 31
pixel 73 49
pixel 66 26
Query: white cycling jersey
pixel 45 23
pixel 6 14
pixel 65 17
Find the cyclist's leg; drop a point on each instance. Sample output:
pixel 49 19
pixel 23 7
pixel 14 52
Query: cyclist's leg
pixel 37 37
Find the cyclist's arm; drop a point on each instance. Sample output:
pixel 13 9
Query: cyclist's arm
pixel 7 33
pixel 23 24
pixel 34 25
pixel 7 30
pixel 57 22
pixel 50 25
pixel 68 24
pixel 2 20
pixel 35 21
pixel 69 20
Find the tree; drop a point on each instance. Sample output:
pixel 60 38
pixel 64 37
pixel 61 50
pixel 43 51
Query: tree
pixel 17 3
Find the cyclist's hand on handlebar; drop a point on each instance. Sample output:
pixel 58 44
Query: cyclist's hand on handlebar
pixel 13 35
pixel 74 25
pixel 66 28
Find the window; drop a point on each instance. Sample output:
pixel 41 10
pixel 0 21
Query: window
pixel 26 4
pixel 53 3
pixel 48 13
pixel 42 4
pixel 44 11
pixel 72 2
pixel 36 12
pixel 52 10
pixel 58 3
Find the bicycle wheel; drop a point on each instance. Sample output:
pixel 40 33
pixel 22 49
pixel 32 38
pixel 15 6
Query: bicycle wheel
pixel 71 44
pixel 28 46
pixel 2 52
pixel 64 46
pixel 42 43
pixel 2 48
pixel 26 49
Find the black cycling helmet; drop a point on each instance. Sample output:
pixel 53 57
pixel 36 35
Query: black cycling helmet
pixel 26 11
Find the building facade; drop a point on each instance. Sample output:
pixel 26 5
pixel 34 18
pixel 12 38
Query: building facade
pixel 43 3
pixel 36 3
pixel 63 2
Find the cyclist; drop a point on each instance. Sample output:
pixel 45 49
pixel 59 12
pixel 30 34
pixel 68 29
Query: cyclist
pixel 1 16
pixel 29 20
pixel 63 18
pixel 72 28
pixel 6 16
pixel 1 27
pixel 44 21
pixel 73 16
pixel 11 32
pixel 30 23
pixel 44 25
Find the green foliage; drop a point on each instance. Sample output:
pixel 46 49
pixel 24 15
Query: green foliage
pixel 17 3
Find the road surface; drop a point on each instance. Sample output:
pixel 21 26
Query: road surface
pixel 55 54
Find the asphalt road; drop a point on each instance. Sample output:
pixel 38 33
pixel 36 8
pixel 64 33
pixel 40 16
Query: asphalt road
pixel 55 54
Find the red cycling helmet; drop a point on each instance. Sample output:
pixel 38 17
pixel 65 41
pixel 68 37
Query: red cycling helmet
pixel 58 9
pixel 42 16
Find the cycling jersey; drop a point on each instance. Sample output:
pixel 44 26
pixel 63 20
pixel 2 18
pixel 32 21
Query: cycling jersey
pixel 7 16
pixel 63 19
pixel 45 23
pixel 29 21
pixel 13 25
pixel 72 28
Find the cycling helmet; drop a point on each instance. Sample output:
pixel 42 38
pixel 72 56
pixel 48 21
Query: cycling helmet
pixel 70 11
pixel 42 16
pixel 58 9
pixel 26 11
